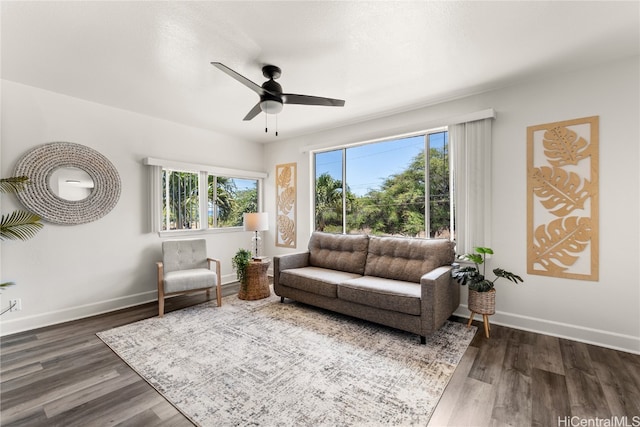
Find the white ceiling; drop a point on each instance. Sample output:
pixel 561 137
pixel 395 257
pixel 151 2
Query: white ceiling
pixel 381 56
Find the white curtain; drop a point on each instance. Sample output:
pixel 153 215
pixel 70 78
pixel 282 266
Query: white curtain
pixel 155 198
pixel 470 158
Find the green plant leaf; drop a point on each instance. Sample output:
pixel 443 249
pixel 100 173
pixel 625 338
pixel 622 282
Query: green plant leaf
pixel 239 262
pixel 6 285
pixel 13 184
pixel 507 275
pixel 21 225
pixel 481 285
pixel 467 275
pixel 475 258
pixel 485 251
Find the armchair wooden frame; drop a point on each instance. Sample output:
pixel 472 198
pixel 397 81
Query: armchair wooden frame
pixel 162 294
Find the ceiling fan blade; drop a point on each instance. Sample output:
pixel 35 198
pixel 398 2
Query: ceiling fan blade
pixel 254 112
pixel 242 79
pixel 291 98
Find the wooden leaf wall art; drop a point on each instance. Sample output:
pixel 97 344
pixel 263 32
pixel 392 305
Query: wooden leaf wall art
pixel 562 199
pixel 286 205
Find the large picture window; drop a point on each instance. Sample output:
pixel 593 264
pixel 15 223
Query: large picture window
pixel 393 187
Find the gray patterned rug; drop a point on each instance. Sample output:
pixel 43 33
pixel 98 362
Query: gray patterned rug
pixel 266 363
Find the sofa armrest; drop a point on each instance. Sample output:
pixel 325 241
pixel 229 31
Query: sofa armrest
pixel 440 298
pixel 286 262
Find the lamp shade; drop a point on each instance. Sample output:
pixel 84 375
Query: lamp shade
pixel 258 221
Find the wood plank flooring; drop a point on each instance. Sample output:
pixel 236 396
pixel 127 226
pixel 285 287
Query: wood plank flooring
pixel 519 378
pixel 64 375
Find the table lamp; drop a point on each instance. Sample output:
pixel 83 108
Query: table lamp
pixel 258 221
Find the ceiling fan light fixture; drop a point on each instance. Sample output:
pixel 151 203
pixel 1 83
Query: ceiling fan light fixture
pixel 270 106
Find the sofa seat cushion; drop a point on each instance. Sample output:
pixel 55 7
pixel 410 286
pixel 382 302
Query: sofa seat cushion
pixel 387 294
pixel 186 280
pixel 316 280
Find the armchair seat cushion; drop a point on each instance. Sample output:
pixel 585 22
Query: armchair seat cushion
pixel 387 294
pixel 187 280
pixel 318 280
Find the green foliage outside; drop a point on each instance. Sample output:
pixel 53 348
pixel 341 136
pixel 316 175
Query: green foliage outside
pixel 232 203
pixel 183 205
pixel 396 208
pixel 182 200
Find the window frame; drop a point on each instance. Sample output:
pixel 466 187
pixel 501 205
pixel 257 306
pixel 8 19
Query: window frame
pixel 203 172
pixel 426 150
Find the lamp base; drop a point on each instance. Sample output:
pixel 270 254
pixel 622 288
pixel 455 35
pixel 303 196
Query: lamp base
pixel 256 245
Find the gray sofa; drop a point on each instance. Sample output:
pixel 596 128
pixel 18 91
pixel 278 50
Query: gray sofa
pixel 399 282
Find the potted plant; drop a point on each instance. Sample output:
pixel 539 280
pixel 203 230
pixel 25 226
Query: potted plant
pixel 240 261
pixel 482 294
pixel 18 224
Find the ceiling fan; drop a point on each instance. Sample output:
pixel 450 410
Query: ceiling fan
pixel 271 96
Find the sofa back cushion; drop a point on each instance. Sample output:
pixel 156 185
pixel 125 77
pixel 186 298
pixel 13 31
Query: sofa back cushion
pixel 343 252
pixel 407 259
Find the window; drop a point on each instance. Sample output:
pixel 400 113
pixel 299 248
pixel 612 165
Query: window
pixel 379 188
pixel 180 201
pixel 186 197
pixel 229 199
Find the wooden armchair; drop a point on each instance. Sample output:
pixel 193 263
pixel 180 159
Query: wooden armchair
pixel 185 268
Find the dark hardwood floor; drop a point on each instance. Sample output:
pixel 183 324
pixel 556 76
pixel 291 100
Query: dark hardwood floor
pixel 64 375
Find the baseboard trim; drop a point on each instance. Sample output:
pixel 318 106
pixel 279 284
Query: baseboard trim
pixel 27 323
pixel 616 341
pixel 602 338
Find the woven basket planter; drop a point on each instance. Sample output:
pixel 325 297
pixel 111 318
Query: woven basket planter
pixel 482 302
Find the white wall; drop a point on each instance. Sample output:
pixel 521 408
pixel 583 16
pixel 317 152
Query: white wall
pixel 66 272
pixel 606 312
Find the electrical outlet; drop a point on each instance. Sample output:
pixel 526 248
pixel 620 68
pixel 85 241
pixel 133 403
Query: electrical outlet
pixel 15 304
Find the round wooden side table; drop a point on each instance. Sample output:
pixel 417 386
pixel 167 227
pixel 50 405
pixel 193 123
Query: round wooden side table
pixel 256 284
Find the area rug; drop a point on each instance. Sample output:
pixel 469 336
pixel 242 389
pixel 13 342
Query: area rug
pixel 266 363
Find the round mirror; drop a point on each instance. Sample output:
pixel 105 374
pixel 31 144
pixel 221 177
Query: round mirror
pixel 70 183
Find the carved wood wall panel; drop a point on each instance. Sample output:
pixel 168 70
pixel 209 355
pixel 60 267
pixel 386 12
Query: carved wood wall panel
pixel 562 199
pixel 286 206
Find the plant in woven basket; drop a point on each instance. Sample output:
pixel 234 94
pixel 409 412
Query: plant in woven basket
pixel 240 261
pixel 471 276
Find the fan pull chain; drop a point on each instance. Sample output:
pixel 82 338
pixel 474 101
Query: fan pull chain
pixel 266 129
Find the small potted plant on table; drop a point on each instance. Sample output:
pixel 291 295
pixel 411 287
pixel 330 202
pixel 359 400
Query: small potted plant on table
pixel 240 261
pixel 482 294
pixel 252 275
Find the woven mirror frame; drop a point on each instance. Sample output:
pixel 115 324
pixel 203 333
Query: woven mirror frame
pixel 38 165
